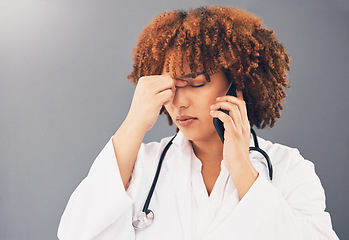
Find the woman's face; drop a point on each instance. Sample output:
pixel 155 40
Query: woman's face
pixel 190 108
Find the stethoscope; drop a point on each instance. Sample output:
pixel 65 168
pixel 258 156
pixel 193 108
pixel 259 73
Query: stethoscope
pixel 144 218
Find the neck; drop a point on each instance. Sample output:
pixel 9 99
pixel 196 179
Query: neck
pixel 210 150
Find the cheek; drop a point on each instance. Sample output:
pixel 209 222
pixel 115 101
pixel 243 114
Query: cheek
pixel 203 106
pixel 169 109
pixel 207 99
pixel 210 97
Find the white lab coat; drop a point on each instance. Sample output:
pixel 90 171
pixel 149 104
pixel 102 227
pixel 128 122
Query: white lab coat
pixel 292 206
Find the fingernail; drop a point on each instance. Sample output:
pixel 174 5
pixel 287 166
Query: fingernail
pixel 212 105
pixel 211 112
pixel 218 98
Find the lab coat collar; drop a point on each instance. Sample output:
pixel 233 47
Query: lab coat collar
pixel 181 141
pixel 262 144
pixel 186 148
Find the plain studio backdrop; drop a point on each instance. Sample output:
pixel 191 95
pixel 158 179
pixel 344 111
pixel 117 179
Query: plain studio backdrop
pixel 64 92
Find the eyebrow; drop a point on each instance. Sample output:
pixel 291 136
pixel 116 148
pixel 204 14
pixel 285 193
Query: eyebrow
pixel 191 75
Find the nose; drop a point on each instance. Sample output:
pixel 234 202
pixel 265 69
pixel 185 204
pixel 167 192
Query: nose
pixel 181 99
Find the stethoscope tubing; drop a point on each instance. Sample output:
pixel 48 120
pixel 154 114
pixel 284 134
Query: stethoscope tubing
pixel 261 151
pixel 147 213
pixel 151 191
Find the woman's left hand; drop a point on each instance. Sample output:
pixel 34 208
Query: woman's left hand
pixel 236 140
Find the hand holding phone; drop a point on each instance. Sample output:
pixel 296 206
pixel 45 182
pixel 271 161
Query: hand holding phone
pixel 218 123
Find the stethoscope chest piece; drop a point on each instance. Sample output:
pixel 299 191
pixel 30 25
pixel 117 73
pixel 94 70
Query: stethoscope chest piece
pixel 143 220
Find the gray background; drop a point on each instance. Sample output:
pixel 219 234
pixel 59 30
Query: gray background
pixel 64 92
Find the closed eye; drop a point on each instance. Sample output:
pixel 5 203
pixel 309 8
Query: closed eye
pixel 197 86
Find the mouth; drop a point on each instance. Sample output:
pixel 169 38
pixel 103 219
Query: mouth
pixel 185 121
pixel 185 117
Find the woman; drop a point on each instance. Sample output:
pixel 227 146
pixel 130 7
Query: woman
pixel 184 64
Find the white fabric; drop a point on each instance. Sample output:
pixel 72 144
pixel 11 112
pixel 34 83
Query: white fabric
pixel 292 206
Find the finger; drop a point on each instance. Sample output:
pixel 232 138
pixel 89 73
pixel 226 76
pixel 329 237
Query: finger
pixel 157 83
pixel 228 123
pixel 164 97
pixel 163 82
pixel 234 112
pixel 240 103
pixel 180 83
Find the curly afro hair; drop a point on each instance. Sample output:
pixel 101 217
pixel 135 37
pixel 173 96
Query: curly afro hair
pixel 213 38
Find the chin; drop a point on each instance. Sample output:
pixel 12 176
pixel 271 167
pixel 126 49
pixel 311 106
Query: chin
pixel 199 134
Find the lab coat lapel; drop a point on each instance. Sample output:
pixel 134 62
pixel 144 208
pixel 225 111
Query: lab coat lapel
pixel 180 170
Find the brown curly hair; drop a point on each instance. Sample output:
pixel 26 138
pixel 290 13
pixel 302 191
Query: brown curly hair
pixel 212 38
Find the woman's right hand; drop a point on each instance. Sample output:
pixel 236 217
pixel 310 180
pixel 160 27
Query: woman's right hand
pixel 152 92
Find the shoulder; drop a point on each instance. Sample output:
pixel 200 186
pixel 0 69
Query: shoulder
pixel 288 163
pixel 280 154
pixel 153 148
pixel 149 153
pixel 295 176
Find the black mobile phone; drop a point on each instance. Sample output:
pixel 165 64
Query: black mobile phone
pixel 218 124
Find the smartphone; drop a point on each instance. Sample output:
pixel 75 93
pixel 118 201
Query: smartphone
pixel 218 124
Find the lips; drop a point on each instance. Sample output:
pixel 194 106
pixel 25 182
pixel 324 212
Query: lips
pixel 185 120
pixel 185 117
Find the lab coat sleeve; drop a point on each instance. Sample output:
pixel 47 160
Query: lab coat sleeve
pixel 294 209
pixel 99 201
